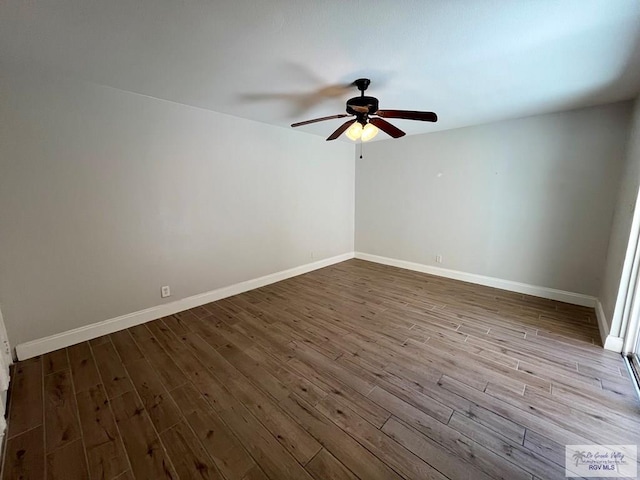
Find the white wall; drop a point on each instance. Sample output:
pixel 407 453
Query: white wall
pixel 105 196
pixel 528 200
pixel 619 238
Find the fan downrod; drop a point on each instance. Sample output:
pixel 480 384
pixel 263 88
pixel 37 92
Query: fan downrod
pixel 362 106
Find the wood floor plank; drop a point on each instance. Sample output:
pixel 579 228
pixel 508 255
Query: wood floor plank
pixel 144 449
pixel 223 310
pixel 621 405
pixel 263 446
pixel 400 389
pixel 68 462
pixel 112 372
pixel 188 455
pixel 341 445
pixel 527 419
pixel 24 456
pixel 383 446
pixel 364 406
pixel 179 323
pixel 255 473
pixel 357 370
pixel 325 466
pixel 140 332
pixel 169 372
pixel 180 353
pixel 467 449
pixel 95 342
pixel 561 376
pixel 409 354
pixel 621 389
pixel 83 367
pixel 486 369
pixel 126 346
pixel 60 411
pixel 200 312
pixel 545 447
pixel 55 361
pixel 517 454
pixel 225 329
pixel 570 419
pixel 335 369
pixel 425 385
pixel 404 410
pixel 186 316
pixel 156 399
pixel 218 440
pixel 26 402
pixel 288 433
pixel 254 371
pixel 105 452
pixel 204 328
pixel 262 336
pixel 432 452
pixel 272 457
pixel 590 414
pixel 294 381
pixel 126 476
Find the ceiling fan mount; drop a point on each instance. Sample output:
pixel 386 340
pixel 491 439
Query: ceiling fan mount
pixel 370 118
pixel 362 84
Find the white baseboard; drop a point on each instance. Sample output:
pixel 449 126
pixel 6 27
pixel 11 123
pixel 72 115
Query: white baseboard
pixel 95 330
pixel 614 344
pixel 603 325
pixel 608 341
pixel 534 290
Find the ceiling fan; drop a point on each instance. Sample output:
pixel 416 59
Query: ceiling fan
pixel 365 125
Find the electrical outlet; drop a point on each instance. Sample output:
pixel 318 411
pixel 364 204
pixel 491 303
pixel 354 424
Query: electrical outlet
pixel 165 291
pixel 438 258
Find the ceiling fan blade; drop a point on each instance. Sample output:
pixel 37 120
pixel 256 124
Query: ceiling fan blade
pixel 385 126
pixel 321 119
pixel 341 129
pixel 408 115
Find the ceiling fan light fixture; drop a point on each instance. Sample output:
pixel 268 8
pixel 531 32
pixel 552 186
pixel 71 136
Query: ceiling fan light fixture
pixel 365 126
pixel 355 131
pixel 368 132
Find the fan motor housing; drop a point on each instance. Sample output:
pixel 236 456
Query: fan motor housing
pixel 362 105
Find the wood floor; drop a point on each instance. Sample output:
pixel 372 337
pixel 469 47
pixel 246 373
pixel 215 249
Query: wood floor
pixel 354 371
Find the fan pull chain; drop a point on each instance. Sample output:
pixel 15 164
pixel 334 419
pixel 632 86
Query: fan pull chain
pixel 360 149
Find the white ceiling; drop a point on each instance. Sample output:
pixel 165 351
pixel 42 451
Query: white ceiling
pixel 280 61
